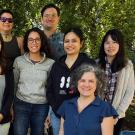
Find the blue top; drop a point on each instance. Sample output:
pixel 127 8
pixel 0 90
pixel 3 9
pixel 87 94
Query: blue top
pixel 56 45
pixel 89 120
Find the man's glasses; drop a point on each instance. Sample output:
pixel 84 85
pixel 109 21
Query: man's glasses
pixel 37 40
pixel 4 19
pixel 50 15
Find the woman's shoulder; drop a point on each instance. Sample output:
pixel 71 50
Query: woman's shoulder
pixel 50 60
pixel 19 58
pixel 128 66
pixel 129 62
pixel 102 103
pixel 107 109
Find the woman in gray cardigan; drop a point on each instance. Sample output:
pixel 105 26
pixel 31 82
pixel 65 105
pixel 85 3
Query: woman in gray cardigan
pixel 31 71
pixel 119 72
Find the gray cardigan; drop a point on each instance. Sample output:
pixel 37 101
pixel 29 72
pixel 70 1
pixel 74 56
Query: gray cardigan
pixel 124 89
pixel 30 79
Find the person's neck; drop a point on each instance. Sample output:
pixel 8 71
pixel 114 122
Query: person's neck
pixel 49 33
pixel 86 100
pixel 35 57
pixel 110 59
pixel 70 60
pixel 7 36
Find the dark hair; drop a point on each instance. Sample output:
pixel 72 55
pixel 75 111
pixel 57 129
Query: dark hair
pixel 119 61
pixel 44 43
pixel 51 5
pixel 76 76
pixel 6 11
pixel 77 31
pixel 2 57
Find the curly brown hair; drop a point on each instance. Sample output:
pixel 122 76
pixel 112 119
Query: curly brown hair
pixel 100 78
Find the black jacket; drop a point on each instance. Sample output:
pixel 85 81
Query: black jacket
pixel 7 97
pixel 59 79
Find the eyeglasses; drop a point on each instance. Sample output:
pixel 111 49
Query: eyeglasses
pixel 4 19
pixel 37 40
pixel 50 15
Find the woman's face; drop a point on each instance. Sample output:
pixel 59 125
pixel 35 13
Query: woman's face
pixel 87 84
pixel 72 44
pixel 6 22
pixel 111 47
pixel 34 42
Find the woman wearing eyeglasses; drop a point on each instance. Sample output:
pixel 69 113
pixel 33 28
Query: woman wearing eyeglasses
pixel 31 71
pixel 13 45
pixel 6 92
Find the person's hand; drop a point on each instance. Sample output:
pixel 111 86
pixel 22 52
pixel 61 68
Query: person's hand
pixel 1 117
pixel 47 122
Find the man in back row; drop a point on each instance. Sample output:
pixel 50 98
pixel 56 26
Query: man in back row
pixel 50 16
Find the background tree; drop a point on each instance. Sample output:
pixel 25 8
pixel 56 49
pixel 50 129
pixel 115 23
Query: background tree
pixel 95 17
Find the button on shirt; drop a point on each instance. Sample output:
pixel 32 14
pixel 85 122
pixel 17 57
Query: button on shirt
pixel 89 120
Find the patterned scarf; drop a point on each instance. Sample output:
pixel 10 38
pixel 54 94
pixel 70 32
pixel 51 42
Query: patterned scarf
pixel 111 80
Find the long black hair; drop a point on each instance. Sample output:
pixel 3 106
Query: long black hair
pixel 120 60
pixel 3 63
pixel 44 43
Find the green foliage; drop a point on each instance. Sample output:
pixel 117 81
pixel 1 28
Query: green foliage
pixel 95 17
pixel 129 121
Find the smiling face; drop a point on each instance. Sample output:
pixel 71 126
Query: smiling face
pixel 34 43
pixel 111 47
pixel 50 19
pixel 6 22
pixel 87 84
pixel 72 44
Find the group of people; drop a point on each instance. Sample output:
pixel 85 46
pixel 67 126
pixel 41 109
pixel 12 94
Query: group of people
pixel 45 78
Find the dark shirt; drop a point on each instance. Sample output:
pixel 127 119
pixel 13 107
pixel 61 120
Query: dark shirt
pixel 56 45
pixel 88 121
pixel 11 51
pixel 7 96
pixel 59 80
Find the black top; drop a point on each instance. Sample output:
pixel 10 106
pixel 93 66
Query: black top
pixel 7 97
pixel 11 51
pixel 59 80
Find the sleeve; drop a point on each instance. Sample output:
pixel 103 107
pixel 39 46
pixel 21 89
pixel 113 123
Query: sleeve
pixel 129 93
pixel 8 94
pixel 108 111
pixel 16 71
pixel 62 109
pixel 50 94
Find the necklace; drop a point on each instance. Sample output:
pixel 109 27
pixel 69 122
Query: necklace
pixel 6 36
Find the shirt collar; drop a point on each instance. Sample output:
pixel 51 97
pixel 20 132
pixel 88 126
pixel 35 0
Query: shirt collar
pixel 26 55
pixel 96 102
pixel 54 34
